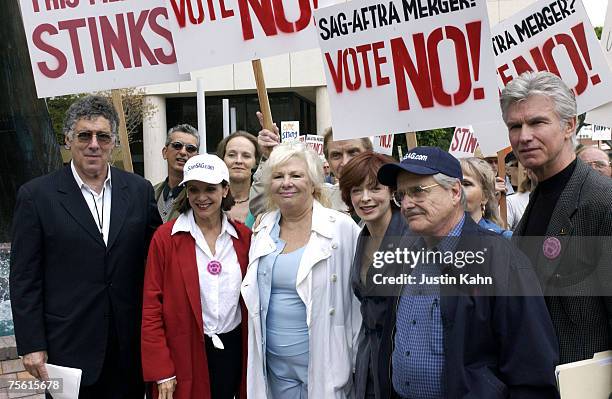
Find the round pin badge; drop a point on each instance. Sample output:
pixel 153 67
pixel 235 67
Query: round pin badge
pixel 214 267
pixel 551 247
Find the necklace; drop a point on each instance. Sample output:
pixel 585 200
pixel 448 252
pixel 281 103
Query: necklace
pixel 241 201
pixel 100 219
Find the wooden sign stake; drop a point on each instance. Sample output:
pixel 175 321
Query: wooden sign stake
pixel 123 136
pixel 262 94
pixel 501 171
pixel 411 140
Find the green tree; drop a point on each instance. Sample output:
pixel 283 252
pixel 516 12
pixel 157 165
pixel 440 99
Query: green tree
pixel 434 138
pixel 598 30
pixel 57 107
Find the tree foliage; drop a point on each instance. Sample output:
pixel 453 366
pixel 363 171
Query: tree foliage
pixel 435 138
pixel 598 30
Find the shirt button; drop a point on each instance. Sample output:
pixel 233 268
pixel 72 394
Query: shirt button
pixel 265 273
pixel 332 311
pixel 334 277
pixel 334 245
pixel 407 353
pixel 413 322
pixel 407 383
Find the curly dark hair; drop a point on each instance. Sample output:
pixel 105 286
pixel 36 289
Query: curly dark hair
pixel 90 107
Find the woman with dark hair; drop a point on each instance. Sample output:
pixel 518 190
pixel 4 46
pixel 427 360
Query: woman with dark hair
pixel 384 225
pixel 241 154
pixel 193 322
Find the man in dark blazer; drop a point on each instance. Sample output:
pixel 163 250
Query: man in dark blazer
pixel 80 238
pixel 566 228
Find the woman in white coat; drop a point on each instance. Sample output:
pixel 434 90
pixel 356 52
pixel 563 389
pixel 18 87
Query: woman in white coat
pixel 303 318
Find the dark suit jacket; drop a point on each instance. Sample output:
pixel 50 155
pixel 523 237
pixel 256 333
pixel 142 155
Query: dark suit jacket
pixel 578 282
pixel 66 283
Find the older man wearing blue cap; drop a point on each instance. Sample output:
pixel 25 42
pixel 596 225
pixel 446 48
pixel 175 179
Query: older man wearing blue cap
pixel 466 325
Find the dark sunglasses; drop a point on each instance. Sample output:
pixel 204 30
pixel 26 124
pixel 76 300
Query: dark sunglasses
pixel 190 148
pixel 86 137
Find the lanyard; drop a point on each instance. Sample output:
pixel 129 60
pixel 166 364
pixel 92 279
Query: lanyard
pixel 100 219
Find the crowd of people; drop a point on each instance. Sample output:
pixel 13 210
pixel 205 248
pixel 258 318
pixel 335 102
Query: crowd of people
pixel 253 273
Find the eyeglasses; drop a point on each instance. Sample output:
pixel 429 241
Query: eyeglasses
pixel 598 164
pixel 190 148
pixel 86 136
pixel 417 194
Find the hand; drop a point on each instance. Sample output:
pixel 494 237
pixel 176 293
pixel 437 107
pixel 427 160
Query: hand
pixel 500 186
pixel 267 139
pixel 34 364
pixel 166 389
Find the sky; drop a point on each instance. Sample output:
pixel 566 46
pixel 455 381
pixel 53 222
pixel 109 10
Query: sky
pixel 596 10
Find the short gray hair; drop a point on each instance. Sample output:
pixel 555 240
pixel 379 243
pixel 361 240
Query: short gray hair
pixel 544 84
pixel 183 128
pixel 90 107
pixel 448 182
pixel 281 154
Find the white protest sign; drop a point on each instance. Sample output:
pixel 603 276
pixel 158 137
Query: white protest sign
pixel 315 142
pixel 383 144
pixel 290 131
pixel 407 65
pixel 464 142
pixel 556 36
pixel 492 136
pixel 585 132
pixel 84 45
pixel 603 115
pixel 209 33
pixel 601 133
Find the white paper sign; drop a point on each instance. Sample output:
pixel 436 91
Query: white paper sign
pixel 383 144
pixel 603 115
pixel 315 142
pixel 70 381
pixel 556 36
pixel 492 136
pixel 290 131
pixel 407 65
pixel 87 45
pixel 209 33
pixel 601 133
pixel 464 142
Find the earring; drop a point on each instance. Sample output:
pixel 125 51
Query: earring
pixel 482 209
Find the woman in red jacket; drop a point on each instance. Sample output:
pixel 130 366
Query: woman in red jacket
pixel 193 322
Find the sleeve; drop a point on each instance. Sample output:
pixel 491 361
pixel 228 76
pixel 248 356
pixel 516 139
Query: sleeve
pixel 529 350
pixel 257 200
pixel 604 267
pixel 157 362
pixel 26 278
pixel 356 319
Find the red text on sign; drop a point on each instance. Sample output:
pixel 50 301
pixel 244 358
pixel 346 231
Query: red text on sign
pixel 464 140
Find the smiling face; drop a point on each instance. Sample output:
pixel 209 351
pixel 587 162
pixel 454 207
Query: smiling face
pixel 371 202
pixel 474 194
pixel 539 139
pixel 239 158
pixel 435 212
pixel 176 158
pixel 90 157
pixel 290 185
pixel 205 199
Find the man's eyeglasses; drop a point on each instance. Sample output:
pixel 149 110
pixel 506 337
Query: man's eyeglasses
pixel 190 148
pixel 598 164
pixel 417 193
pixel 86 137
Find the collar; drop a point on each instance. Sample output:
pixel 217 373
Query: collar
pixel 449 242
pixel 166 191
pixel 556 183
pixel 321 218
pixel 186 223
pixel 81 183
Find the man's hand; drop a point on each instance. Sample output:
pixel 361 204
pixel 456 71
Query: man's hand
pixel 166 389
pixel 267 139
pixel 500 186
pixel 34 364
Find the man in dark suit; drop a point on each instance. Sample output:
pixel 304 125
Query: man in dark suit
pixel 566 228
pixel 80 237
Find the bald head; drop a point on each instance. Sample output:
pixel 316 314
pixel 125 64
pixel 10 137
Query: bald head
pixel 597 159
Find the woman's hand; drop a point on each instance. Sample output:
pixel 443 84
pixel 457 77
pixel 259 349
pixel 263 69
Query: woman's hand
pixel 166 389
pixel 267 139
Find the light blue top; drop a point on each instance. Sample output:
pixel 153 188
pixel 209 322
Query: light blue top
pixel 287 332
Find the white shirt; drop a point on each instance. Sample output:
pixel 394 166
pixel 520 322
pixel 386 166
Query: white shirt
pixel 220 293
pixel 99 204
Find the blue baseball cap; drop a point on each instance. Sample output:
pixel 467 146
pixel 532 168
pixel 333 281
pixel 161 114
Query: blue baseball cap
pixel 421 161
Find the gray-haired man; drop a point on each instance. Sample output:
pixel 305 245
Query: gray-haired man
pixel 182 143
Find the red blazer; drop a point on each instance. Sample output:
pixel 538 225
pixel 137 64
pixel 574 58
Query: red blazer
pixel 172 329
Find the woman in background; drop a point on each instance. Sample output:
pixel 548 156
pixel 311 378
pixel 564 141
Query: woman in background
pixel 241 154
pixel 517 203
pixel 479 185
pixel 384 224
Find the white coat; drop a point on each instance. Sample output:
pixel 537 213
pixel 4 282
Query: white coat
pixel 332 311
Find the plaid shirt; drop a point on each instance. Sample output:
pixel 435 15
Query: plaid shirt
pixel 418 355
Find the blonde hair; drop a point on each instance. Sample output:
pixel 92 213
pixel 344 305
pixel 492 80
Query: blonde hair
pixel 485 176
pixel 314 170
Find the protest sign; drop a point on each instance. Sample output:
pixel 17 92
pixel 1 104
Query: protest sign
pixel 556 36
pixel 463 143
pixel 86 45
pixel 383 144
pixel 603 115
pixel 491 136
pixel 314 142
pixel 290 131
pixel 407 65
pixel 219 32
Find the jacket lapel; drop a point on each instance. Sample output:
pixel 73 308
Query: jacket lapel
pixel 73 202
pixel 185 251
pixel 119 206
